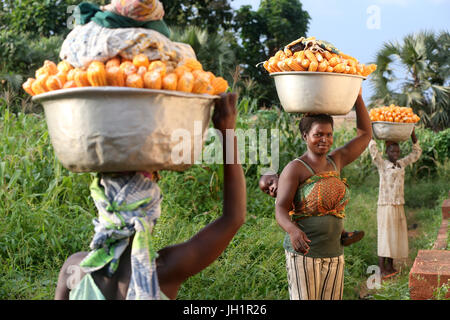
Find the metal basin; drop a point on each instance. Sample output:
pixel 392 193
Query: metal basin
pixel 392 131
pixel 317 92
pixel 115 129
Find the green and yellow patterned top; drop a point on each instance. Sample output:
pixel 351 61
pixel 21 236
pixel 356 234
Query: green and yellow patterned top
pixel 321 194
pixel 319 210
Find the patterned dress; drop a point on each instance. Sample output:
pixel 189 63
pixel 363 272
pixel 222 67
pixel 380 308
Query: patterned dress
pixel 391 220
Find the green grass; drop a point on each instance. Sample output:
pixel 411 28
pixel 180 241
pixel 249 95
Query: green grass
pixel 46 215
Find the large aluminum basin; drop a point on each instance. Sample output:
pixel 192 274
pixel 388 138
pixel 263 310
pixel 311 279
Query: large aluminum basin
pixel 392 131
pixel 317 92
pixel 116 129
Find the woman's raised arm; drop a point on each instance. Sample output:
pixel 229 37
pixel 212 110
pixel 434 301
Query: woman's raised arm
pixel 353 149
pixel 178 262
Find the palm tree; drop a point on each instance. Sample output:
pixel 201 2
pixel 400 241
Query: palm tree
pixel 213 50
pixel 415 73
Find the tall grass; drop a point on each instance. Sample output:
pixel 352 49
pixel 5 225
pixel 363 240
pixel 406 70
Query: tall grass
pixel 45 211
pixel 46 215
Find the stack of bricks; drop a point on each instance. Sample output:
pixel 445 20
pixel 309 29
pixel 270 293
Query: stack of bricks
pixel 431 268
pixel 441 241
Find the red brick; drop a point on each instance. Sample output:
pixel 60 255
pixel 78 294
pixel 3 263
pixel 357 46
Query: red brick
pixel 441 240
pixel 431 269
pixel 446 209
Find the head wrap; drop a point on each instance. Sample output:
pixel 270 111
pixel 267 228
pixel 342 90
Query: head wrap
pixel 127 205
pixel 140 10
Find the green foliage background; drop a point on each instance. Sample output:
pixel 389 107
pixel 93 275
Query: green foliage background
pixel 261 34
pixel 46 211
pixel 46 215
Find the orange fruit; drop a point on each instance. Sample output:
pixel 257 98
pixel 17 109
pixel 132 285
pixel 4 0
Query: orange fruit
pixel 128 67
pixel 114 62
pixel 134 81
pixel 141 60
pixel 158 66
pixel 153 80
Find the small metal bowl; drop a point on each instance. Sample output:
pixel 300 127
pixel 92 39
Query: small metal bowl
pixel 392 131
pixel 317 92
pixel 115 129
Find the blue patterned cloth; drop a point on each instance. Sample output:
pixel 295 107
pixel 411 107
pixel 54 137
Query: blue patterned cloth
pixel 127 205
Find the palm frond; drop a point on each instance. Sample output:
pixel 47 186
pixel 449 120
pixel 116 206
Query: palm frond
pixel 191 35
pixel 212 50
pixel 425 56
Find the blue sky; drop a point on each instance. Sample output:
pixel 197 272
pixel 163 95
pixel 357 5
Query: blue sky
pixel 359 27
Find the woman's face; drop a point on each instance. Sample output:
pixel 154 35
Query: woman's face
pixel 319 139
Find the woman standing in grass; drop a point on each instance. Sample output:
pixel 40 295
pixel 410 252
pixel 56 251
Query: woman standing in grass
pixel 123 264
pixel 314 252
pixel 392 230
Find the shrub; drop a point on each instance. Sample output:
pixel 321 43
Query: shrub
pixel 435 152
pixel 21 54
pixel 43 18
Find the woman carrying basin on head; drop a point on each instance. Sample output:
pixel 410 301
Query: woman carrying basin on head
pixel 312 184
pixel 392 233
pixel 123 263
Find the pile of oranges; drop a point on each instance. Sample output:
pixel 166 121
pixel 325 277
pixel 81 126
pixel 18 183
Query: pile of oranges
pixel 307 60
pixel 393 113
pixel 139 72
pixel 323 61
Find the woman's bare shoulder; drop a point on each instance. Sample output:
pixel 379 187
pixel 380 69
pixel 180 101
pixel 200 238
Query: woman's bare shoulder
pixel 77 257
pixel 73 261
pixel 295 169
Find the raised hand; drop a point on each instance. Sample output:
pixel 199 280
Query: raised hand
pixel 413 136
pixel 225 112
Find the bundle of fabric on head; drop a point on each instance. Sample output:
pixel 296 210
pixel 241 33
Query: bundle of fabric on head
pixel 128 205
pixel 123 28
pixel 140 10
